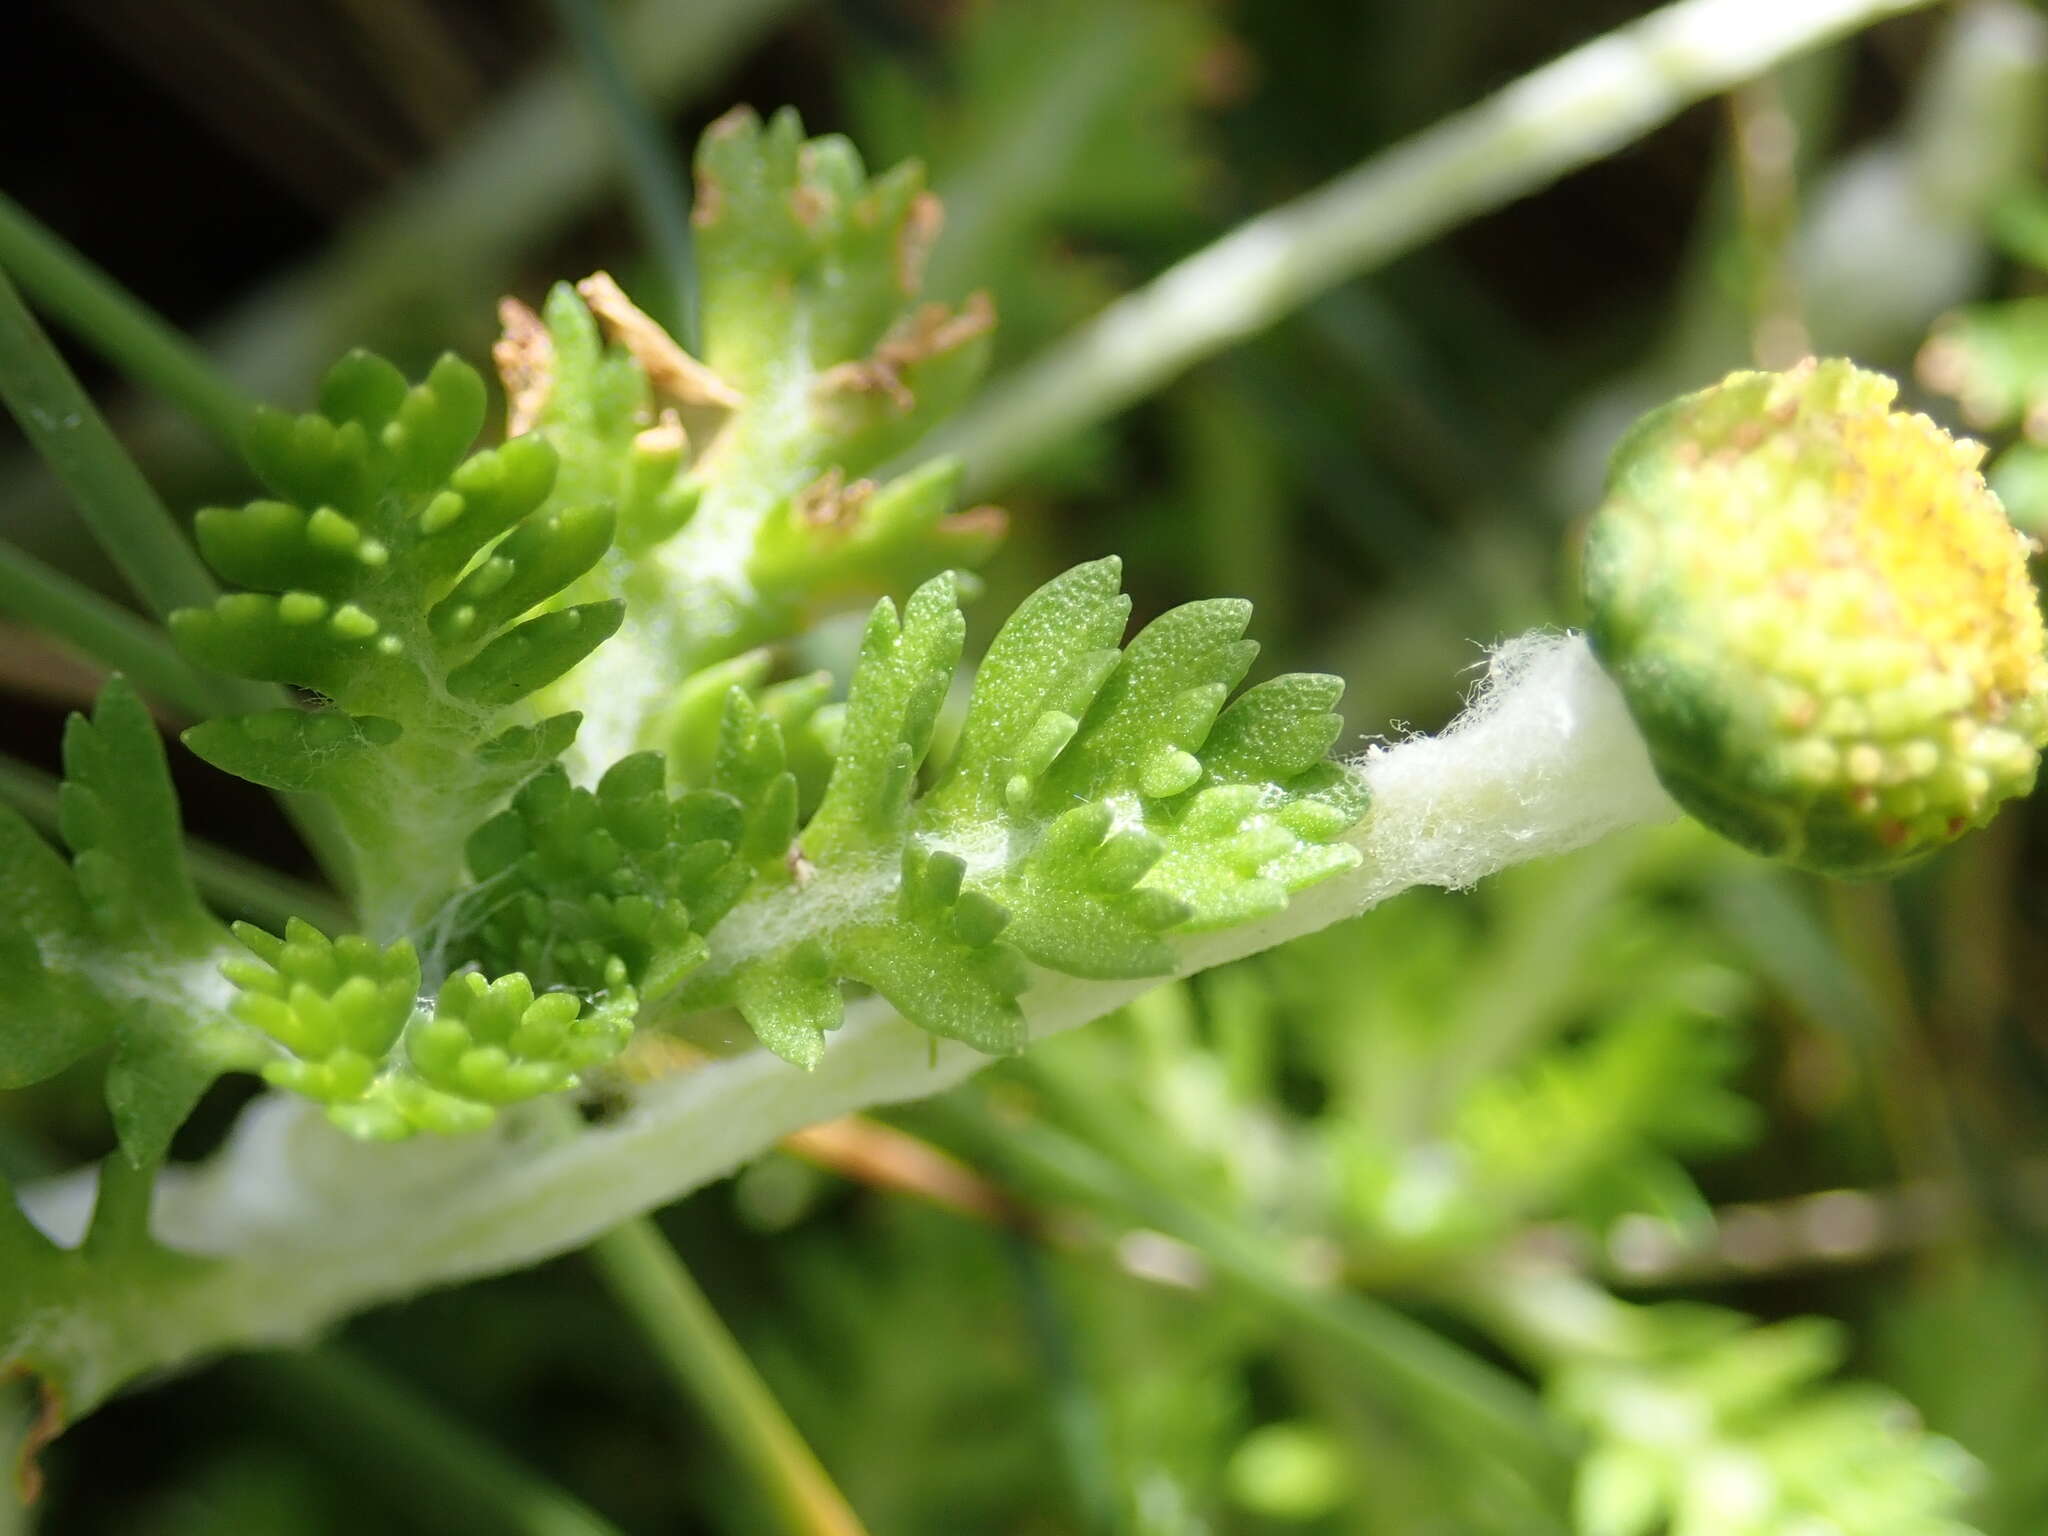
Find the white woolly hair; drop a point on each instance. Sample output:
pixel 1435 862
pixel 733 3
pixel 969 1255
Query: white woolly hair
pixel 1544 759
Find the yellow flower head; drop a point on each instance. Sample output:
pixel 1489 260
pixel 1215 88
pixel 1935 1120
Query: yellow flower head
pixel 1821 618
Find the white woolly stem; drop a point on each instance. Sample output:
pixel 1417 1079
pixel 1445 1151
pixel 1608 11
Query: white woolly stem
pixel 311 1226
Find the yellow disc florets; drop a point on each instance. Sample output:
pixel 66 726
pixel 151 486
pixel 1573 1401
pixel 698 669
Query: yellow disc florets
pixel 1821 618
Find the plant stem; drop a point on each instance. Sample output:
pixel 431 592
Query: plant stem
pixel 1763 153
pixel 1917 1113
pixel 410 1453
pixel 128 519
pixel 1568 113
pixel 1026 153
pixel 650 1282
pixel 126 333
pixel 1522 991
pixel 105 631
pixel 654 176
pixel 298 1222
pixel 1076 1412
pixel 237 886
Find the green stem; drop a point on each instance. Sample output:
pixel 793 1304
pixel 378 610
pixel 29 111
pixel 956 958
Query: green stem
pixel 411 1454
pixel 1076 1413
pixel 653 174
pixel 1911 1085
pixel 1028 151
pixel 238 886
pixel 643 1272
pixel 1564 115
pixel 1523 991
pixel 127 517
pixel 105 631
pixel 1762 138
pixel 126 333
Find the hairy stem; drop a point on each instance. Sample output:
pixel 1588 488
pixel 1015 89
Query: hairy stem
pixel 127 334
pixel 1567 114
pixel 650 1282
pixel 300 1219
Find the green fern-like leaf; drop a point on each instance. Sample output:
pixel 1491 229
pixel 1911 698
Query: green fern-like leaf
pixel 117 946
pixel 573 883
pixel 1153 808
pixel 398 579
pixel 738 479
pixel 899 683
pixel 592 400
pixel 1711 1423
pixel 1099 800
pixel 1126 161
pixel 805 255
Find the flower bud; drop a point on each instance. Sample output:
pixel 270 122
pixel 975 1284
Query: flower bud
pixel 1820 617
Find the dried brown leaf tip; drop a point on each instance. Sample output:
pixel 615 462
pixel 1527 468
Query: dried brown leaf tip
pixel 806 203
pixel 914 243
pixel 928 331
pixel 666 436
pixel 47 1424
pixel 671 370
pixel 525 357
pixel 979 527
pixel 829 502
pixel 707 206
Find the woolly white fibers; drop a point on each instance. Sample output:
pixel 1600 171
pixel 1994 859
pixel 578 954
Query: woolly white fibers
pixel 1543 760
